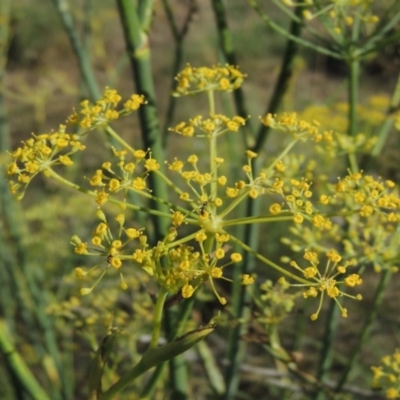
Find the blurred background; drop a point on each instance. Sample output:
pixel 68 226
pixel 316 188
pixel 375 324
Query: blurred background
pixel 55 330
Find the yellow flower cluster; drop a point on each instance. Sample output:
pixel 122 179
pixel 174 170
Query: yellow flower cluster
pixel 296 197
pixel 39 154
pixel 186 270
pixel 387 376
pixel 276 303
pixel 299 129
pixel 112 249
pixel 370 195
pixel 342 13
pixel 105 110
pixel 124 176
pixel 326 282
pixel 215 125
pixel 193 80
pixel 42 152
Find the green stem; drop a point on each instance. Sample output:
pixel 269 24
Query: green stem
pixel 91 193
pixel 16 364
pixel 227 47
pixel 158 313
pixel 354 75
pixel 366 329
pixel 277 28
pixel 268 262
pixel 156 356
pixel 137 42
pixel 179 36
pixel 175 326
pixel 119 139
pixel 82 56
pixel 326 353
pixel 384 132
pixel 282 83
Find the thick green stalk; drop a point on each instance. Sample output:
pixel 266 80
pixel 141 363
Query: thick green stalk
pixel 81 55
pixel 139 54
pixel 17 366
pixel 366 329
pixel 158 313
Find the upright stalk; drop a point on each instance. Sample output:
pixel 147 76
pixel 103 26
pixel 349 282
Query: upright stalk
pixel 81 55
pixel 139 54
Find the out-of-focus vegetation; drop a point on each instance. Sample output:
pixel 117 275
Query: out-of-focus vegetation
pixel 264 344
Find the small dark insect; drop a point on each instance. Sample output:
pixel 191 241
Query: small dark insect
pixel 109 258
pixel 202 208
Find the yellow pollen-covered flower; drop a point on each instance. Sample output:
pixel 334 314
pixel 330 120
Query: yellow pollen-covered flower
pixel 81 248
pixel 200 237
pixel 236 257
pixel 116 262
pixel 139 154
pixel 134 102
pixel 232 192
pixel 139 183
pixel 101 198
pixel 353 280
pixel 275 208
pixel 79 273
pixel 187 291
pixel 219 254
pixel 114 185
pixel 310 272
pixel 216 272
pixel 177 218
pixel 247 279
pixel 151 164
pixel 298 218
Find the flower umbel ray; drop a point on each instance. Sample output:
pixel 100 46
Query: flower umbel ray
pixel 326 282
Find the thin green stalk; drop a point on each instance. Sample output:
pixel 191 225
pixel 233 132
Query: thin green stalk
pixel 176 326
pixel 326 353
pixel 387 23
pixel 240 299
pixel 354 76
pixel 211 367
pixel 179 36
pixel 6 205
pixel 254 253
pixel 282 31
pixel 353 89
pixel 366 329
pixel 282 83
pixel 227 47
pixel 16 364
pixel 139 54
pixel 82 56
pixel 386 127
